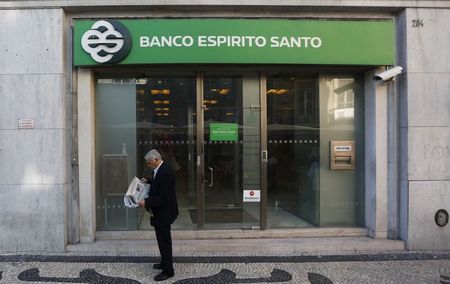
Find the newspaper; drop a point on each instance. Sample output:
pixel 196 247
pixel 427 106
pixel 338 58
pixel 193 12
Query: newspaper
pixel 136 192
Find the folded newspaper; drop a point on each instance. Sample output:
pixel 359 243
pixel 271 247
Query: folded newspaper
pixel 136 192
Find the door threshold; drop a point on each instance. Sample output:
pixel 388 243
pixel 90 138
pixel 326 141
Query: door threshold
pixel 235 234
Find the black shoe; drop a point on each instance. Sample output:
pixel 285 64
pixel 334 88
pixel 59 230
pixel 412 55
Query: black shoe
pixel 163 276
pixel 157 266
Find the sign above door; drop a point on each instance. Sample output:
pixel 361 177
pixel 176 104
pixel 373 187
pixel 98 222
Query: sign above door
pixel 233 41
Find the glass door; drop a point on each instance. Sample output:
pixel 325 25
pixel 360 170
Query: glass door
pixel 207 127
pixel 231 144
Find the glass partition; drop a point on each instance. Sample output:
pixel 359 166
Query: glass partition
pixel 304 114
pixel 132 117
pixel 293 146
pixel 341 119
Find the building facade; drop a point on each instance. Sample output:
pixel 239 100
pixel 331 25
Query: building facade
pixel 309 119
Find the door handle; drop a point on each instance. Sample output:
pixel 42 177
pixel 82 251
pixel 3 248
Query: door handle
pixel 264 156
pixel 211 180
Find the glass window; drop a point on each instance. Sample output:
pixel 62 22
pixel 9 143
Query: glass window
pixel 306 113
pixel 132 117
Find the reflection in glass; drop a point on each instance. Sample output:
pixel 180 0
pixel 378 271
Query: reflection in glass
pixel 293 145
pixel 341 119
pixel 341 100
pixel 304 115
pixel 231 143
pixel 134 116
pixel 223 152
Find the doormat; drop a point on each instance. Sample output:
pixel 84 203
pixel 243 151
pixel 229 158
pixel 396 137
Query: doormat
pixel 223 215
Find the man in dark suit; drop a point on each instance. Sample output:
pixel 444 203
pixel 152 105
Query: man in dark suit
pixel 163 208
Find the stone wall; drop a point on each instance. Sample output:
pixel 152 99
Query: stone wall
pixel 425 128
pixel 33 175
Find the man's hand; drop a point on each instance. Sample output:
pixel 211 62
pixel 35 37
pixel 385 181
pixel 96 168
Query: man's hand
pixel 144 180
pixel 141 203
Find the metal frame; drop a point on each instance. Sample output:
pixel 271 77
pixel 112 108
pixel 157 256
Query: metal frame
pixel 200 154
pixel 263 148
pixel 201 181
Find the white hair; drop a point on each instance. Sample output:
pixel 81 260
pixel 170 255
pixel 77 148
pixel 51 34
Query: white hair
pixel 152 155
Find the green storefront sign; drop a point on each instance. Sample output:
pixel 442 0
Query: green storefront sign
pixel 165 41
pixel 223 132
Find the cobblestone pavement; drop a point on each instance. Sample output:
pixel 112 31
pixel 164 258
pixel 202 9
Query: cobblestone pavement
pixel 398 267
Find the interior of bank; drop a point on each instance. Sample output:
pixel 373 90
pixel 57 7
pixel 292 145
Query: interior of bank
pixel 305 181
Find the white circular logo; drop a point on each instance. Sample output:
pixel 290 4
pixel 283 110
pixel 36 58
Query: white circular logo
pixel 107 41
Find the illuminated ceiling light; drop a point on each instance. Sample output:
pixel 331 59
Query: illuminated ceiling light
pixel 141 81
pixel 160 92
pixel 224 91
pixel 282 91
pixel 158 102
pixel 229 114
pixel 277 91
pixel 210 102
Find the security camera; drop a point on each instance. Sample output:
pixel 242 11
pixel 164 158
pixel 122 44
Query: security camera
pixel 388 74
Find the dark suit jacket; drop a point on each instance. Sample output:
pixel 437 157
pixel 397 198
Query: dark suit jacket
pixel 162 199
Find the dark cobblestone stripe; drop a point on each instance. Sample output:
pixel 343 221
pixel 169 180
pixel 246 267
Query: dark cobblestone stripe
pixel 86 276
pixel 228 259
pixel 224 276
pixel 316 278
pixel 228 276
pixel 445 279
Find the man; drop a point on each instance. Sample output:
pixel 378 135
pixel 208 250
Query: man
pixel 163 208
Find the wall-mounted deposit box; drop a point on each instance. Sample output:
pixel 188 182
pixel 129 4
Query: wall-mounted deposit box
pixel 342 155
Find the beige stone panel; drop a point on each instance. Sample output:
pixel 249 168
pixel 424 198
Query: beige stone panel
pixel 31 41
pixel 40 97
pixel 429 153
pixel 428 99
pixel 428 38
pixel 33 218
pixel 33 157
pixel 425 198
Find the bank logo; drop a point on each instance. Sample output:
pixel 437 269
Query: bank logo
pixel 107 41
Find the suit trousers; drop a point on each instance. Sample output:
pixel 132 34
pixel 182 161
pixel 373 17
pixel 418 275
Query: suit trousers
pixel 164 239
